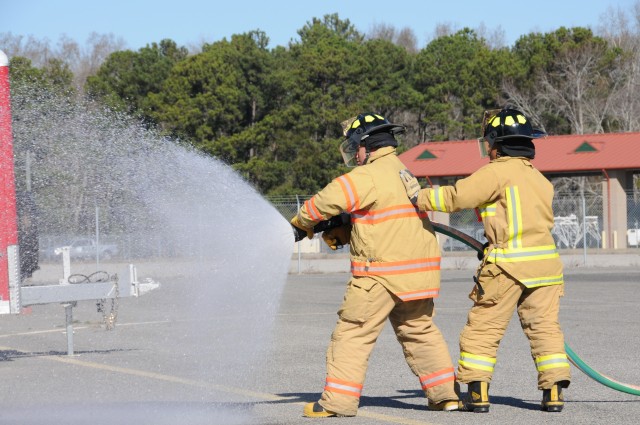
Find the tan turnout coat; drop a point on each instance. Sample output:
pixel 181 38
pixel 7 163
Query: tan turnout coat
pixel 391 241
pixel 514 201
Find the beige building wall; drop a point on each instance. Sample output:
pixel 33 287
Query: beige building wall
pixel 614 207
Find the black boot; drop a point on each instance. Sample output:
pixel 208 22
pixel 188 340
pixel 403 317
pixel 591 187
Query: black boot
pixel 477 399
pixel 552 399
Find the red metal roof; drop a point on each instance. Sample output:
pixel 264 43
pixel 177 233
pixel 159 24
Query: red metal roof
pixel 554 154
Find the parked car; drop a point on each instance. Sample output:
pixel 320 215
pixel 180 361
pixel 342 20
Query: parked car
pixel 85 248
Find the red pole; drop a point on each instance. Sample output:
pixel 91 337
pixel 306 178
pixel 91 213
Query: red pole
pixel 8 214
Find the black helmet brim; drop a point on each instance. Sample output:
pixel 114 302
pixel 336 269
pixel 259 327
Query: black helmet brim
pixel 389 128
pixel 513 136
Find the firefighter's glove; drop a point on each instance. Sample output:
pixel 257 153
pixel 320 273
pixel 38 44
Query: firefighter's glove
pixel 295 222
pixel 411 185
pixel 337 237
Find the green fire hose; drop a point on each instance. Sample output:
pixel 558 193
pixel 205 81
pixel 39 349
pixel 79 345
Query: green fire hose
pixel 573 357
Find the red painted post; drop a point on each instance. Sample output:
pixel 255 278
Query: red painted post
pixel 8 214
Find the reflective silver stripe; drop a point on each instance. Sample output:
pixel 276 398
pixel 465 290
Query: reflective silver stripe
pixel 524 254
pixel 438 378
pixel 436 199
pixel 382 268
pixel 376 216
pixel 488 211
pixel 311 210
pixel 515 216
pixel 551 362
pixel 440 199
pixel 351 196
pixel 543 281
pixel 477 362
pixel 342 387
pixel 421 294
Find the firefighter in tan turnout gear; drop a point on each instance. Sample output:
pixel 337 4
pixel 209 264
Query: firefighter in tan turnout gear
pixel 520 268
pixel 395 265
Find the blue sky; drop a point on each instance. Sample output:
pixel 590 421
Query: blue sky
pixel 189 22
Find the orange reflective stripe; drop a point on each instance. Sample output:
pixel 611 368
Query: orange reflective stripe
pixel 374 268
pixel 384 214
pixel 310 205
pixel 419 294
pixel 350 195
pixel 437 378
pixel 343 387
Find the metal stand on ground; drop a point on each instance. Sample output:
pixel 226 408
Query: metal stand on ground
pixel 68 309
pixel 69 290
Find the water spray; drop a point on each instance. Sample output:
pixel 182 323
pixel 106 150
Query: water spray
pixel 174 209
pixel 13 295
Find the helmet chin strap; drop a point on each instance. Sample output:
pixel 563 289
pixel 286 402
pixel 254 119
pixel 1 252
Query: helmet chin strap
pixel 368 152
pixel 366 156
pixel 372 142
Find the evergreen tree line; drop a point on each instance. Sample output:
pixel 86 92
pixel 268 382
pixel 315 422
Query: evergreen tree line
pixel 274 113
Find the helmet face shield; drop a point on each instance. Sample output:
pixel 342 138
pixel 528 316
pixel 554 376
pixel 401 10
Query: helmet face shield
pixel 482 146
pixel 486 117
pixel 349 151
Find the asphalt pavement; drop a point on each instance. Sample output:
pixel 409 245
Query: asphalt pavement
pixel 160 365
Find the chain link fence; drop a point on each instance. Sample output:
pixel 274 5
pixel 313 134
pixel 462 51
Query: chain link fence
pixel 633 220
pixel 579 220
pixel 288 206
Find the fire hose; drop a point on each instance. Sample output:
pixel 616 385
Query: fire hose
pixel 573 357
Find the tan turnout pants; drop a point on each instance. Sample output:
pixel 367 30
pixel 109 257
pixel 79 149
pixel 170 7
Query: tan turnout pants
pixel 366 307
pixel 488 319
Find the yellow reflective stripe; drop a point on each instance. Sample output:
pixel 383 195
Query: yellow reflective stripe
pixel 514 215
pixel 487 210
pixel 543 281
pixel 473 361
pixel 551 361
pixel 436 197
pixel 514 255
